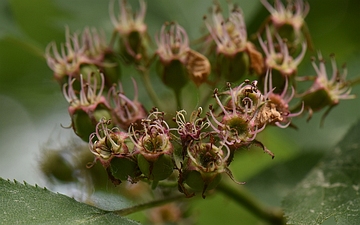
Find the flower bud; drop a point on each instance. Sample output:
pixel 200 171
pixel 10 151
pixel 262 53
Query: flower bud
pixel 86 107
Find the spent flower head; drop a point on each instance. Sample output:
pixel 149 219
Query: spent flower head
pixel 229 35
pixel 206 157
pixel 127 21
pixel 175 54
pixel 173 43
pixel 238 114
pixel 106 143
pixel 292 14
pixel 278 56
pixel 153 139
pixel 276 110
pixel 131 28
pixel 78 50
pixel 337 86
pixel 191 130
pixel 87 106
pixel 153 147
pixel 125 111
pixel 236 56
pixel 205 164
pixel 326 91
pixel 89 96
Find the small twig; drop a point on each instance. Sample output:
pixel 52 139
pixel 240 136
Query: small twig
pixel 354 82
pixel 148 205
pixel 168 184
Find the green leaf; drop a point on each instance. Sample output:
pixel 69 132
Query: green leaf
pixel 35 17
pixel 331 189
pixel 274 183
pixel 26 204
pixel 110 201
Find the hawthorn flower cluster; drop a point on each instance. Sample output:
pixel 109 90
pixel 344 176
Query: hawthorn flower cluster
pixel 137 144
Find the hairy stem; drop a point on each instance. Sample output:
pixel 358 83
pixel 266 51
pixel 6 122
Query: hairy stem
pixel 178 99
pixel 243 198
pixel 208 97
pixel 147 83
pixel 112 41
pixel 148 205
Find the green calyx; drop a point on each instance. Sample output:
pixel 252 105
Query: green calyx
pixel 159 143
pixel 318 100
pixel 124 168
pixel 134 41
pixel 201 181
pixel 157 170
pixel 238 126
pixel 111 69
pixel 173 74
pixel 84 122
pixel 287 32
pixel 232 68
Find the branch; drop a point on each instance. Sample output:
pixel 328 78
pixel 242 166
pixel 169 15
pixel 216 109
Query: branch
pixel 243 198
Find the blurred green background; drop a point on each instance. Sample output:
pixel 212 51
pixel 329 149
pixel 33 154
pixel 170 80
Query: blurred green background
pixel 33 109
